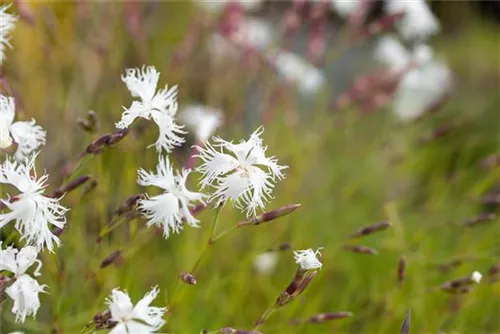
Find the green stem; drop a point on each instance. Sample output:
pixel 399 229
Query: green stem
pixel 198 262
pixel 264 317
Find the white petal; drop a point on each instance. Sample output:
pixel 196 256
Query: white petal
pixel 392 53
pixel 120 328
pixel 120 305
pixel 6 26
pixel 345 7
pixel 215 164
pixel 137 109
pixel 164 177
pixel 7 113
pixel 26 258
pixel 232 187
pixel 163 210
pixel 153 316
pixel 134 327
pixel 142 82
pixel 418 22
pixel 307 259
pixel 166 101
pixel 8 259
pixel 28 136
pixel 169 132
pixel 24 292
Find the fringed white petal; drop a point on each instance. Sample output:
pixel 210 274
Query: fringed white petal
pixel 24 292
pixel 28 136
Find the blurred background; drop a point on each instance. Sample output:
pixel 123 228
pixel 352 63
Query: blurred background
pixel 383 111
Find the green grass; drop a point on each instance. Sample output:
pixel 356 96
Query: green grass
pixel 342 169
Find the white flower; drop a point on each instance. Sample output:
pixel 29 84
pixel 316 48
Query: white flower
pixel 345 7
pixel 160 106
pixel 239 172
pixel 202 120
pixel 18 261
pixel 425 80
pixel 6 26
pixel 418 21
pixel 265 263
pixel 138 319
pixel 391 52
pixel 307 259
pixel 24 291
pixel 171 208
pixel 32 212
pixel 421 88
pixel 27 135
pixel 254 33
pixel 298 71
pixel 476 276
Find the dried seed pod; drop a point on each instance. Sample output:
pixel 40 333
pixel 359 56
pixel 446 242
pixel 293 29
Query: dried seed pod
pixel 361 249
pixel 372 228
pixel 110 258
pixel 188 278
pixel 480 219
pixel 270 215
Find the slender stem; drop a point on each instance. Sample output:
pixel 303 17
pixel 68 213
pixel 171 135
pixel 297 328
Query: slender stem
pixel 264 317
pixel 223 233
pixel 213 229
pixel 198 262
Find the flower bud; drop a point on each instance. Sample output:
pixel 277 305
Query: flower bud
pixel 361 249
pixel 188 278
pixel 369 229
pixel 270 215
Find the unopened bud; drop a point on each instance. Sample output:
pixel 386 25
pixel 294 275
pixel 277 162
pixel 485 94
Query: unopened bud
pixel 90 123
pixel 369 229
pixel 322 317
pixel 402 270
pixel 462 284
pixel 97 145
pixel 270 215
pixel 128 205
pixel 188 278
pixel 71 186
pixel 480 219
pixel 405 326
pixel 361 249
pixel 111 258
pixel 229 330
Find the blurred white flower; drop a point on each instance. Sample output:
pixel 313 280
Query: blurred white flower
pixel 239 172
pixel 24 291
pixel 265 263
pixel 421 88
pixel 476 276
pixel 171 209
pixel 32 212
pixel 392 53
pixel 307 259
pixel 140 318
pixel 254 33
pixel 425 80
pixel 6 26
pixel 298 71
pixel 27 135
pixel 201 120
pixel 345 7
pixel 160 106
pixel 418 21
pixel 217 5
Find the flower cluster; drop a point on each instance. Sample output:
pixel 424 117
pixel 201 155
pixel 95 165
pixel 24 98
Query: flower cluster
pixel 25 289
